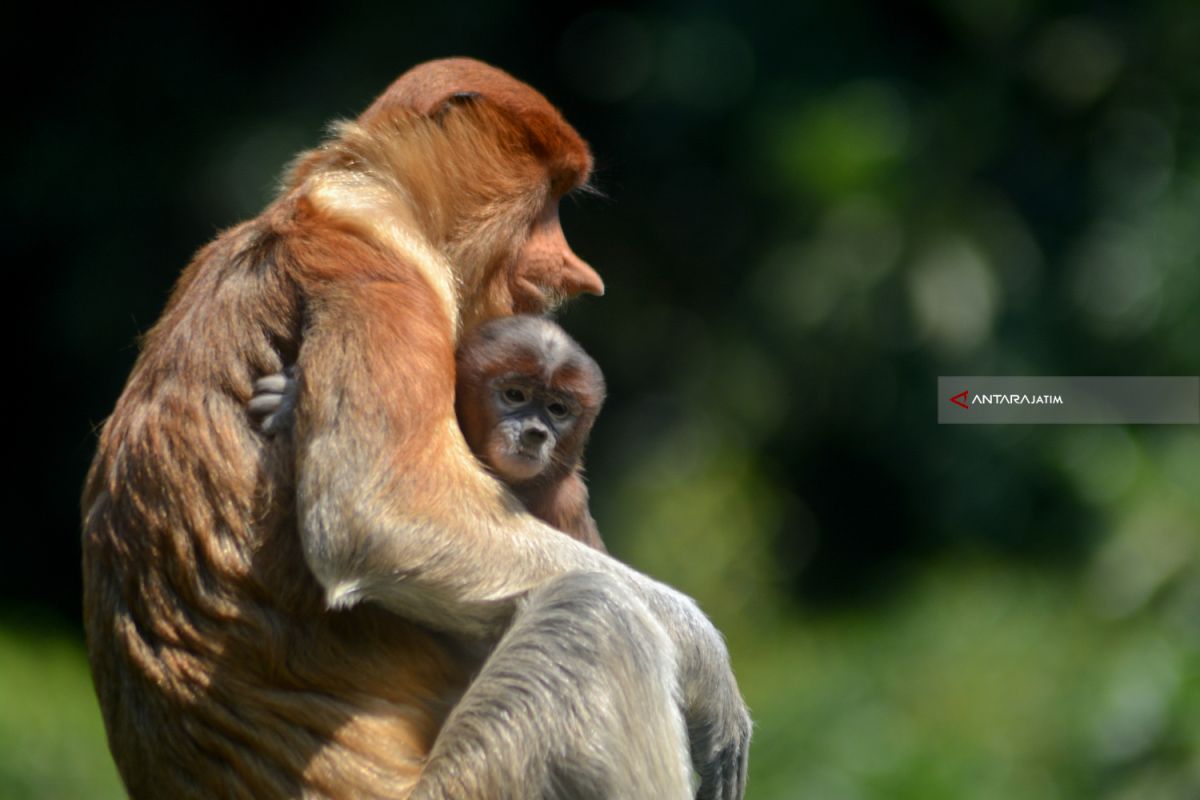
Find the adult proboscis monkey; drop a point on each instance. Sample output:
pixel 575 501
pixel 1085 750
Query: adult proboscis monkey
pixel 361 609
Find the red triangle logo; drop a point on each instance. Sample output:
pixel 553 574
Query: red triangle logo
pixel 960 399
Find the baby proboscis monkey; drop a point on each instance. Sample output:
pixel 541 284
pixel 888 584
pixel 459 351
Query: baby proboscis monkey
pixel 526 397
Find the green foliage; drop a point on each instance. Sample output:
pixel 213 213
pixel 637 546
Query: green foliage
pixel 981 683
pixel 52 744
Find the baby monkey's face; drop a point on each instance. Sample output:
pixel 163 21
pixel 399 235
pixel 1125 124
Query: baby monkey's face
pixel 526 395
pixel 531 421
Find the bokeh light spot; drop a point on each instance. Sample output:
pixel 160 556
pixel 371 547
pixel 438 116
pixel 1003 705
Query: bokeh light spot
pixel 954 295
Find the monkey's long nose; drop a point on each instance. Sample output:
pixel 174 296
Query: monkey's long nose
pixel 576 276
pixel 579 277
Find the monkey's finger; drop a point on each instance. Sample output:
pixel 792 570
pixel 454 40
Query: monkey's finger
pixel 724 776
pixel 735 785
pixel 264 404
pixel 712 782
pixel 276 383
pixel 274 423
pixel 743 768
pixel 728 782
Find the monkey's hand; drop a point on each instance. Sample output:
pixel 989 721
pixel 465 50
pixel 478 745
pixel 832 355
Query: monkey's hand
pixel 274 401
pixel 717 720
pixel 718 726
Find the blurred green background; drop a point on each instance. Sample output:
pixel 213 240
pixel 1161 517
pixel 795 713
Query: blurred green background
pixel 810 212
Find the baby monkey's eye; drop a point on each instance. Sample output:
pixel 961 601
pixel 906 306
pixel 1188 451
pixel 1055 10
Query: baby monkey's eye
pixel 515 396
pixel 558 410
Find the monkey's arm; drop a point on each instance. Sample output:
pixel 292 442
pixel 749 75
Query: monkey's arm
pixel 562 504
pixel 394 508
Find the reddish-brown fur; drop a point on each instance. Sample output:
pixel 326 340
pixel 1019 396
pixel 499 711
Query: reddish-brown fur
pixel 563 504
pixel 219 668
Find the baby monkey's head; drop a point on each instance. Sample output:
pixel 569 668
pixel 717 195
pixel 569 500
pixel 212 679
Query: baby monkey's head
pixel 526 398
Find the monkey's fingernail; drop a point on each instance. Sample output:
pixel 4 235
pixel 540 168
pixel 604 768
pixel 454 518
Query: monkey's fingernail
pixel 264 404
pixel 271 383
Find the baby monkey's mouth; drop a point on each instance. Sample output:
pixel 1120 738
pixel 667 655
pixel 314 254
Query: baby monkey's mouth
pixel 534 459
pixel 520 463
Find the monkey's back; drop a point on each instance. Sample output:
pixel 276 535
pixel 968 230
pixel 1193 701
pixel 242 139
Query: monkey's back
pixel 218 669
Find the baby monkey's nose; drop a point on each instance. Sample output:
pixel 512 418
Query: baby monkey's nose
pixel 534 435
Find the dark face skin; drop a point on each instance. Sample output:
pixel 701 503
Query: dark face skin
pixel 531 420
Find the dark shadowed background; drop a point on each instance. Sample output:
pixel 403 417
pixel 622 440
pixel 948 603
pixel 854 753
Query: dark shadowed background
pixel 808 215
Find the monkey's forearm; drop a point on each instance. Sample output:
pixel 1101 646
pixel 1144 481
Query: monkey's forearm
pixel 454 576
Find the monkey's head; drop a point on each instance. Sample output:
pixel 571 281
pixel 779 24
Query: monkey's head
pixel 479 162
pixel 527 396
